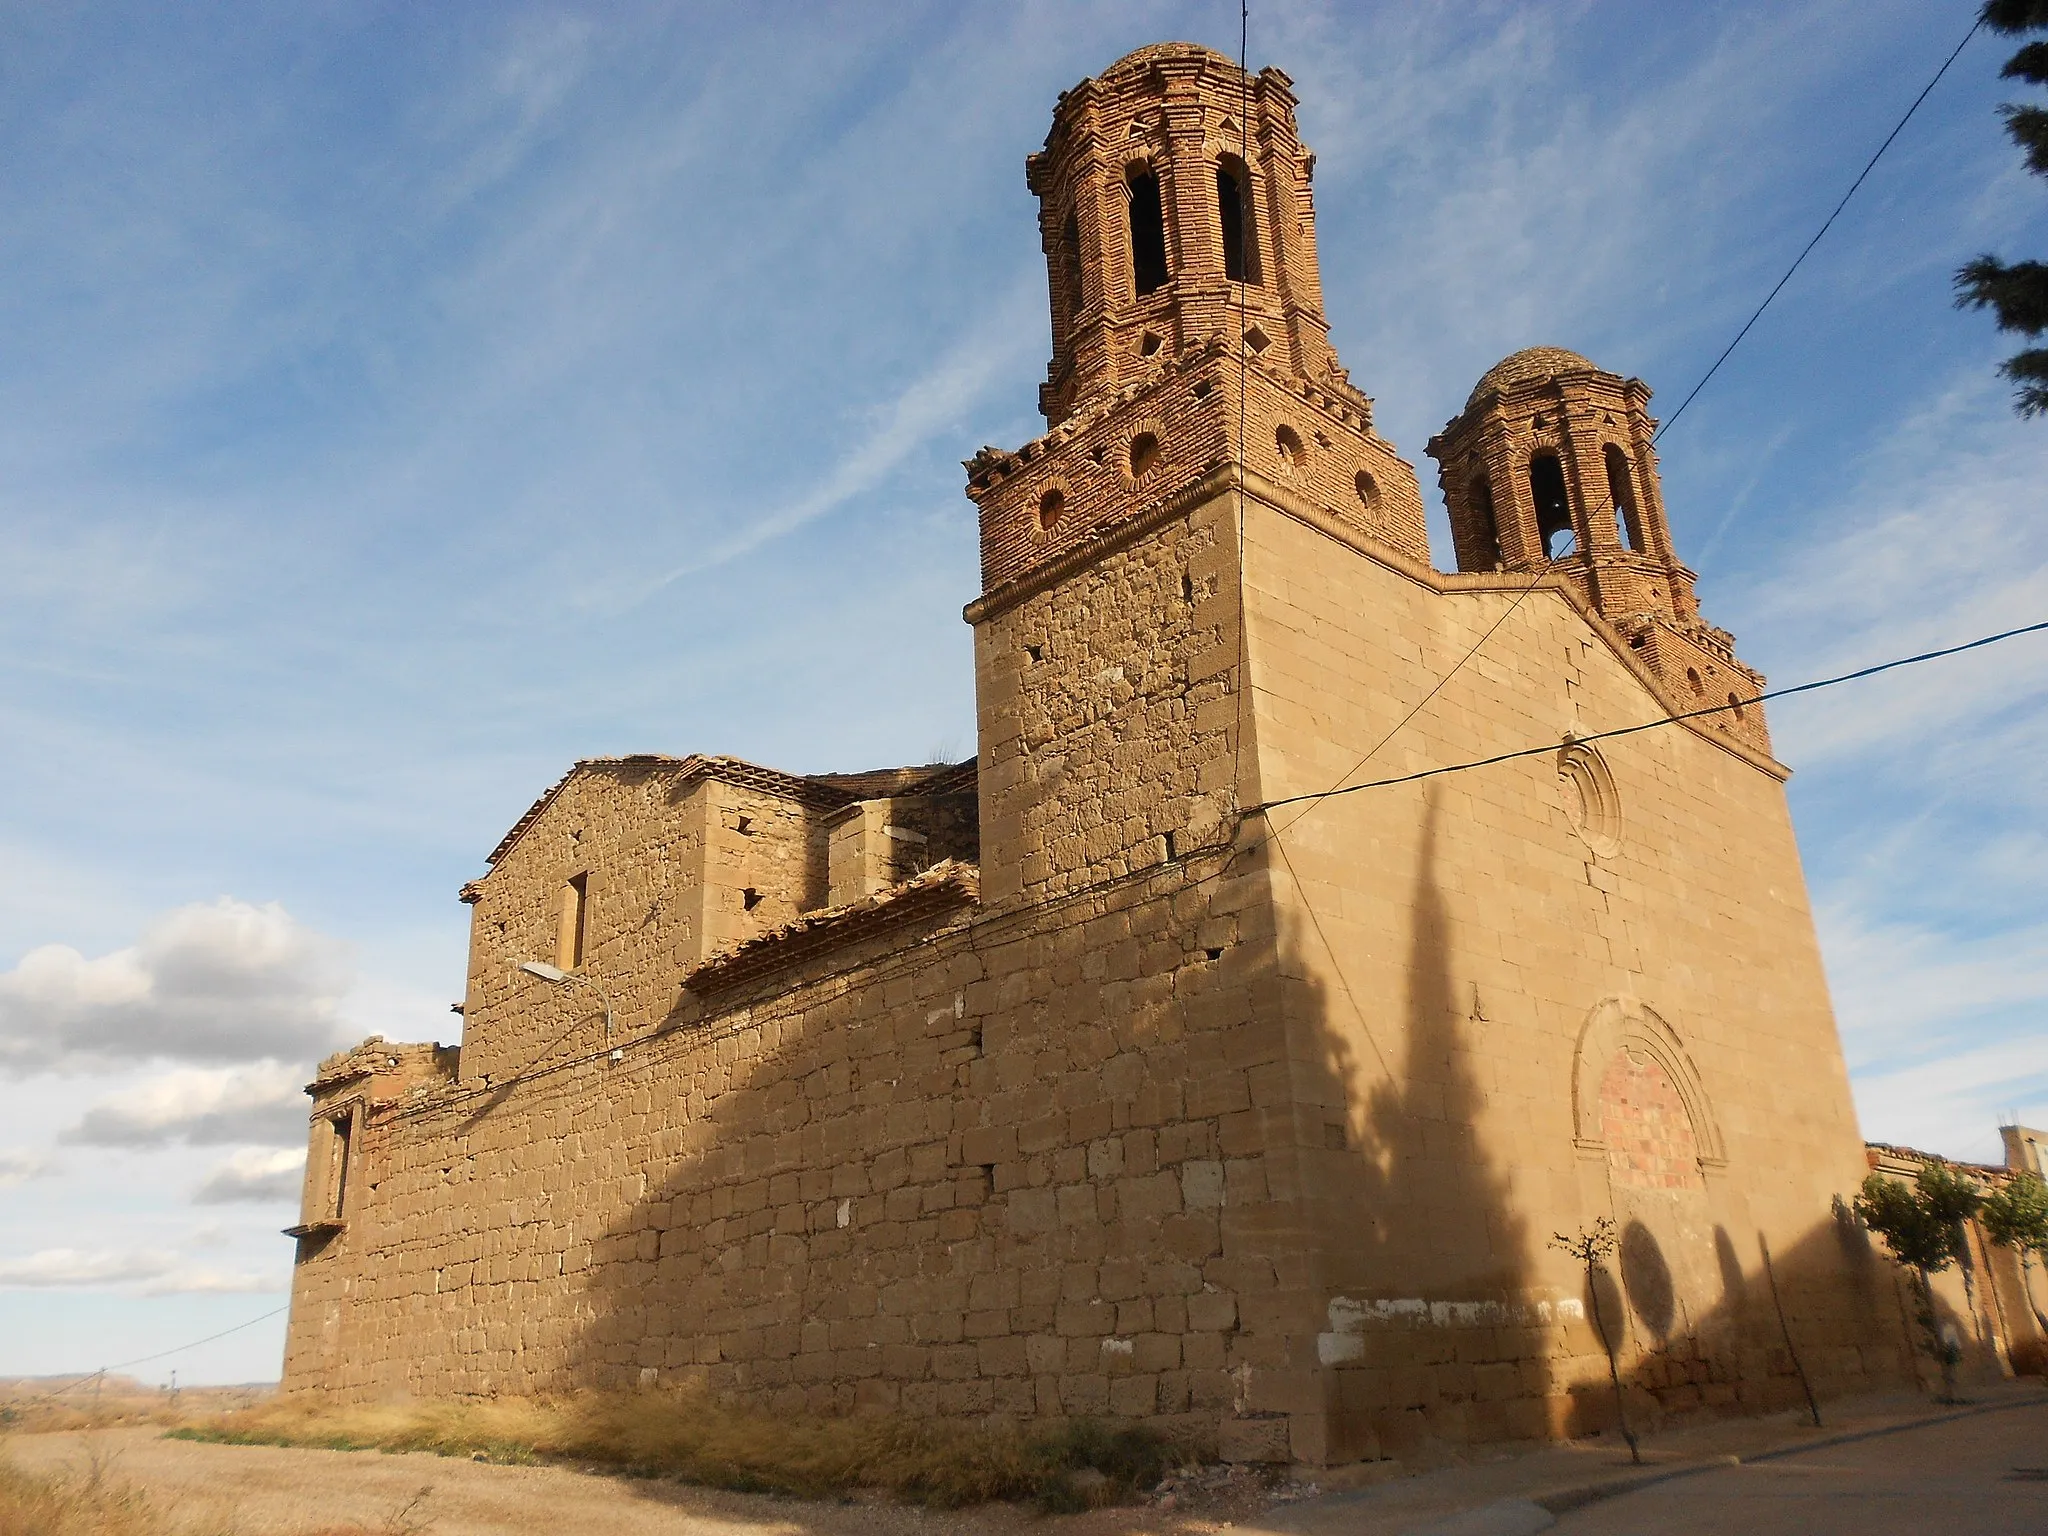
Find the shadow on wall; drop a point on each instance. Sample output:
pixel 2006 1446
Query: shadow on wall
pixel 1429 1261
pixel 1011 1171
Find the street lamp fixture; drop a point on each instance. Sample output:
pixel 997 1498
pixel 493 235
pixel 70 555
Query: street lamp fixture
pixel 555 974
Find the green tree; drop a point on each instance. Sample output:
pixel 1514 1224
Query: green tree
pixel 2016 1217
pixel 1923 1227
pixel 2018 293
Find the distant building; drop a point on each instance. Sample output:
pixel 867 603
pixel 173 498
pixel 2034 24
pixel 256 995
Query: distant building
pixel 2024 1149
pixel 1113 1072
pixel 1990 1303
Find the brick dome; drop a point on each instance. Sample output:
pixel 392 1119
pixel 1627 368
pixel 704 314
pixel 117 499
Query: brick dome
pixel 1520 367
pixel 1159 53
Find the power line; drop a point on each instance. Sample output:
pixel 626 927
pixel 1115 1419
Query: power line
pixel 122 1365
pixel 989 929
pixel 1897 128
pixel 1442 682
pixel 1651 725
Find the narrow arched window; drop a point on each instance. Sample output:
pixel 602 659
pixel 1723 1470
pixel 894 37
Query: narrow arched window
pixel 1148 231
pixel 1234 215
pixel 1070 269
pixel 1626 512
pixel 1485 526
pixel 1553 505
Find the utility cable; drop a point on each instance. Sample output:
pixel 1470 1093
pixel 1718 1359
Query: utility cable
pixel 1245 703
pixel 1651 725
pixel 990 930
pixel 1825 227
pixel 122 1365
pixel 1400 724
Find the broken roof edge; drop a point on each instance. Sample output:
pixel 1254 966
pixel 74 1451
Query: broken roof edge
pixel 821 791
pixel 947 884
pixel 1873 1151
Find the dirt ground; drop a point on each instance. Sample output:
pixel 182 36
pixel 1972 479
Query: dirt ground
pixel 227 1490
pixel 273 1491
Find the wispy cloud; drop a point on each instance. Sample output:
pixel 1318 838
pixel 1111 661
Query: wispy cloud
pixel 938 402
pixel 1953 1102
pixel 18 1166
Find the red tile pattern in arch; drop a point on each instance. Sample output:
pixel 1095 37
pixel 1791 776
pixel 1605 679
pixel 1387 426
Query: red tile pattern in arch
pixel 1650 1143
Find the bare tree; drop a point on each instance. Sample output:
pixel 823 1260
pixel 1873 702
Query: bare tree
pixel 1592 1247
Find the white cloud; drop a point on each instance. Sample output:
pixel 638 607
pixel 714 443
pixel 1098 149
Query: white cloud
pixel 150 1271
pixel 219 981
pixel 254 1173
pixel 263 1102
pixel 215 1282
pixel 57 1267
pixel 18 1166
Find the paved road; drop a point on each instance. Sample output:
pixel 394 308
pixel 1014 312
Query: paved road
pixel 1986 1475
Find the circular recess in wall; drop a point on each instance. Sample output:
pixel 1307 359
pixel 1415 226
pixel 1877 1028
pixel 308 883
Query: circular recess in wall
pixel 1368 491
pixel 1052 508
pixel 1591 804
pixel 1144 454
pixel 1293 452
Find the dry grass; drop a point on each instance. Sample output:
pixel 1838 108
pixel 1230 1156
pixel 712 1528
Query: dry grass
pixel 690 1436
pixel 32 1406
pixel 93 1502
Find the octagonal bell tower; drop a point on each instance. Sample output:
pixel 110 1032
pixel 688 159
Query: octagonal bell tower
pixel 1174 203
pixel 1190 361
pixel 1550 468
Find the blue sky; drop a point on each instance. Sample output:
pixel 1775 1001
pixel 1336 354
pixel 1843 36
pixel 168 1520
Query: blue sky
pixel 397 403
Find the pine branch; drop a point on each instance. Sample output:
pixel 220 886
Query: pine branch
pixel 2015 16
pixel 2029 370
pixel 2030 63
pixel 2019 292
pixel 2029 129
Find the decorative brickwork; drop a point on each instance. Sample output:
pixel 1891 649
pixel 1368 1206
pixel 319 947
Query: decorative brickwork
pixel 1071 1080
pixel 1648 1131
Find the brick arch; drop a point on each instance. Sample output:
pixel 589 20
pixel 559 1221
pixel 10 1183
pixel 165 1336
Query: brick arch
pixel 1624 1023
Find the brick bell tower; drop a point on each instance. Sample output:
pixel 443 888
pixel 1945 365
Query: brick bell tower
pixel 1189 347
pixel 1550 465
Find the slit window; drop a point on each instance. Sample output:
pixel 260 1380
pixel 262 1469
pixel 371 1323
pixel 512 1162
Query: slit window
pixel 1148 231
pixel 1553 505
pixel 572 922
pixel 1233 212
pixel 1623 485
pixel 1485 525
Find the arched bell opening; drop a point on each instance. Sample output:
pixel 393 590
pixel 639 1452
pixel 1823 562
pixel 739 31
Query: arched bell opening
pixel 1627 509
pixel 1235 222
pixel 1485 525
pixel 1554 528
pixel 1148 230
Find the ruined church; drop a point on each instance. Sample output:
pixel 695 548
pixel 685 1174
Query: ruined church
pixel 1197 1052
